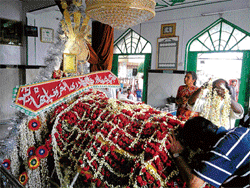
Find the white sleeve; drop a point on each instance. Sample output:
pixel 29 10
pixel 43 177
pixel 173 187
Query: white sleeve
pixel 199 103
pixel 234 115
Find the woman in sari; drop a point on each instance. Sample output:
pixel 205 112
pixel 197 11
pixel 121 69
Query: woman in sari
pixel 183 94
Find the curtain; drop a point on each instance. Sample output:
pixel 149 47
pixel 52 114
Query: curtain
pixel 101 51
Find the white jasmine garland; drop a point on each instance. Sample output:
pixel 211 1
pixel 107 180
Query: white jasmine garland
pixel 15 163
pixel 112 107
pixel 226 109
pixel 212 107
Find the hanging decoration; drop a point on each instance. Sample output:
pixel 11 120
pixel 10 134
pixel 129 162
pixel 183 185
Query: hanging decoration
pixel 23 178
pixel 33 162
pixel 121 14
pixel 42 152
pixel 6 164
pixel 36 98
pixel 34 124
pixel 77 31
pixel 31 151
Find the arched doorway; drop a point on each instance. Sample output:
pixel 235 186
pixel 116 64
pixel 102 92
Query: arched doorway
pixel 131 45
pixel 222 38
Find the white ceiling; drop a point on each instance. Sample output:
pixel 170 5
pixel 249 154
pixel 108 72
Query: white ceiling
pixel 161 5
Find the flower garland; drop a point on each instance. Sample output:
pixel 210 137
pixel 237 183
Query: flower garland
pixel 115 143
pixel 109 142
pixel 206 110
pixel 213 109
pixel 28 157
pixel 226 109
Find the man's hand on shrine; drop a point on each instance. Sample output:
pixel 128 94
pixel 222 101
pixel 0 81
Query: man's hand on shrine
pixel 176 146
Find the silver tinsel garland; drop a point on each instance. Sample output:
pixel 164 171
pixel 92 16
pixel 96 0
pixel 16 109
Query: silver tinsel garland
pixel 9 142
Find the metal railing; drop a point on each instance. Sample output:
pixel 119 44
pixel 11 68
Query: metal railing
pixel 7 180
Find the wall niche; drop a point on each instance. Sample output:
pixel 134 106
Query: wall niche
pixel 11 32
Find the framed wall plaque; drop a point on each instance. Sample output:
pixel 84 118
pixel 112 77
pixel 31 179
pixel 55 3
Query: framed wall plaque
pixel 69 63
pixel 31 31
pixel 46 35
pixel 167 53
pixel 168 30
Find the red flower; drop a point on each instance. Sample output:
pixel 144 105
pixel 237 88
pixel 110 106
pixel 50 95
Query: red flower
pixel 132 170
pixel 98 183
pixel 168 146
pixel 56 135
pixel 139 179
pixel 88 154
pixel 86 168
pixel 88 176
pixel 34 124
pixel 42 152
pixel 23 178
pixel 148 150
pixel 158 183
pixel 184 184
pixel 33 162
pixel 163 127
pixel 120 143
pixel 6 164
pixel 163 176
pixel 163 119
pixel 112 148
pixel 173 121
pixel 114 140
pixel 148 176
pixel 148 125
pixel 144 183
pixel 158 134
pixel 31 151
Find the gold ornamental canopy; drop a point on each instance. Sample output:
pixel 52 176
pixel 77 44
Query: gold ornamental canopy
pixel 120 14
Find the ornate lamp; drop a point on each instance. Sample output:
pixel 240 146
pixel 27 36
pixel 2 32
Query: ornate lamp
pixel 120 14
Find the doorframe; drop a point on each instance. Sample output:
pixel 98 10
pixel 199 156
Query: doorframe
pixel 191 60
pixel 147 66
pixel 128 51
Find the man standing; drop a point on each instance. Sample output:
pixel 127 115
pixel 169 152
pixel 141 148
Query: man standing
pixel 227 158
pixel 234 92
pixel 130 95
pixel 199 104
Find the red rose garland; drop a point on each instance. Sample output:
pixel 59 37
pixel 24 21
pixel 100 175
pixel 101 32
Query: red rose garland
pixel 115 138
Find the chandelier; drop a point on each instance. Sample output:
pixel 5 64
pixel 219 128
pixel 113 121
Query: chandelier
pixel 120 14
